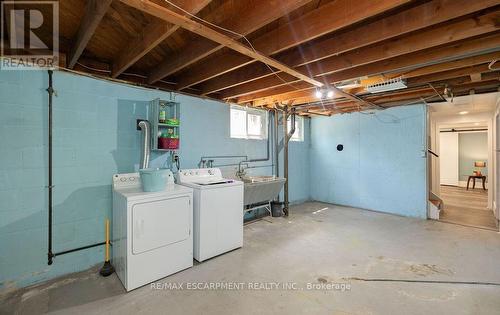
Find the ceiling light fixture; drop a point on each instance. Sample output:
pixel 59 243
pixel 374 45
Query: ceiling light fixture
pixel 349 84
pixel 323 94
pixel 385 86
pixel 464 112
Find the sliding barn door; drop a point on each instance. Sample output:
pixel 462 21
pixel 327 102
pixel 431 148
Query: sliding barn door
pixel 448 158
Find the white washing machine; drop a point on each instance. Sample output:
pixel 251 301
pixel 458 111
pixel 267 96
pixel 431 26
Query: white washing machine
pixel 217 211
pixel 152 231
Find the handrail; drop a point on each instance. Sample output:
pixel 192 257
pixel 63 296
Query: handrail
pixel 429 150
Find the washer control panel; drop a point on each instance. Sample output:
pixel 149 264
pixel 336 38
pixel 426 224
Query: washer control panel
pixel 197 174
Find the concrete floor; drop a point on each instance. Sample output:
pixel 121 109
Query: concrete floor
pixel 319 244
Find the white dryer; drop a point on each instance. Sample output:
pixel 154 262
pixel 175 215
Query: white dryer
pixel 152 231
pixel 218 211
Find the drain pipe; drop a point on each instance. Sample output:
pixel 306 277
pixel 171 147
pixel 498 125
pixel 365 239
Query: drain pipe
pixel 50 254
pixel 145 126
pixel 50 92
pixel 276 145
pixel 288 135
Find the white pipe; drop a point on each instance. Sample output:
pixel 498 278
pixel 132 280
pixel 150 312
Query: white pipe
pixel 146 143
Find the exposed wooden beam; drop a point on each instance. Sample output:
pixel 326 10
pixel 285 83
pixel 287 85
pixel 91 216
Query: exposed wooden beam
pixel 398 64
pixel 422 16
pixel 451 65
pixel 418 78
pixel 95 11
pixel 151 36
pixel 302 29
pixel 401 98
pixel 425 39
pixel 213 35
pixel 250 16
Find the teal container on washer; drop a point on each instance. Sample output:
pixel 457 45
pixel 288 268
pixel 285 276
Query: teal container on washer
pixel 154 179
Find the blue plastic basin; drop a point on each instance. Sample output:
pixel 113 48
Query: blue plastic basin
pixel 153 179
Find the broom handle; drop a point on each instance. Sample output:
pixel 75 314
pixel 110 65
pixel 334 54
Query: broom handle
pixel 107 239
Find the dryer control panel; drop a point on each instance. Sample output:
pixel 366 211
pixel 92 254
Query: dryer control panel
pixel 132 180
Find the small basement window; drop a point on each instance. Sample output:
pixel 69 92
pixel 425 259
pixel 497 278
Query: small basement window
pixel 298 135
pixel 248 123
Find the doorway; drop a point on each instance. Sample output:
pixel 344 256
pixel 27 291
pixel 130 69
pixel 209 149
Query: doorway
pixel 460 121
pixel 464 153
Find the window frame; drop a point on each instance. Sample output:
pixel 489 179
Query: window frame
pixel 254 112
pixel 298 135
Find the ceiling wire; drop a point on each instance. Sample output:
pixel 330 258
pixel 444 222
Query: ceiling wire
pixel 254 50
pixel 124 73
pixel 233 33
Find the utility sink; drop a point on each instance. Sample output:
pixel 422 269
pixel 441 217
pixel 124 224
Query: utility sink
pixel 258 179
pixel 260 189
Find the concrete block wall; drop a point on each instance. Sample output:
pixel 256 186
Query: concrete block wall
pixel 94 137
pixel 382 166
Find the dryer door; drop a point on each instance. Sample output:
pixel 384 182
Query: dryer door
pixel 160 223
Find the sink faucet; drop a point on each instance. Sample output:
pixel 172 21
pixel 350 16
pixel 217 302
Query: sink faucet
pixel 241 171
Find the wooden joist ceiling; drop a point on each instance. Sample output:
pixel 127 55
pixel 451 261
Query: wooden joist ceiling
pixel 297 47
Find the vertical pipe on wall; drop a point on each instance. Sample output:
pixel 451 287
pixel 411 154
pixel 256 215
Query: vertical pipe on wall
pixel 50 254
pixel 50 92
pixel 287 136
pixel 146 143
pixel 276 144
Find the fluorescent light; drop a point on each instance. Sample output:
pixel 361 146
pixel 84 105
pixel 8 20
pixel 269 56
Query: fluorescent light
pixel 329 94
pixel 389 85
pixel 463 112
pixel 318 94
pixel 349 84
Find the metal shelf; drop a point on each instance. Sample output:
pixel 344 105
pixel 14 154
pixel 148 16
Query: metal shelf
pixel 167 125
pixel 173 111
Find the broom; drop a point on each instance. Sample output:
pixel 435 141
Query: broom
pixel 107 269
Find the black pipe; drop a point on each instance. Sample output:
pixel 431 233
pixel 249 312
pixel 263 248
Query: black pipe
pixel 77 249
pixel 50 255
pixel 50 91
pixel 465 130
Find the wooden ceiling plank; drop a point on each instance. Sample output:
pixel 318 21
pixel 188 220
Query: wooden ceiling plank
pixel 451 69
pixel 300 30
pixel 448 74
pixel 412 43
pixel 475 77
pixel 307 97
pixel 95 11
pixel 260 13
pixel 152 35
pixel 410 61
pixel 402 23
pixel 215 36
pixel 398 99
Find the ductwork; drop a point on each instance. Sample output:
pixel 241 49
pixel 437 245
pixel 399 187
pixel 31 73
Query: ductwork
pixel 146 143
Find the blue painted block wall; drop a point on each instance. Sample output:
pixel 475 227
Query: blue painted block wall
pixel 94 138
pixel 382 166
